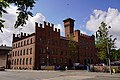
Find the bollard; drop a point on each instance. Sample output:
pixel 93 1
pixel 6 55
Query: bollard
pixel 114 71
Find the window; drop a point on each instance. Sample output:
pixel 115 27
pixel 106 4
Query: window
pixel 17 61
pixel 26 61
pixel 13 45
pixel 27 51
pixel 53 42
pixel 48 33
pixel 30 61
pixel 61 53
pixel 54 60
pixel 43 50
pixel 40 40
pixel 56 51
pixel 21 53
pixel 21 44
pixel 66 53
pixel 13 54
pixel 40 51
pixel 52 51
pixel 56 42
pixel 31 40
pixel 91 61
pixel 61 60
pixel 30 50
pixel 13 62
pixel 18 53
pixel 20 61
pixel 65 60
pixel 24 52
pixel 16 45
pixel 24 43
pixel 28 41
pixel 42 60
pixel 23 61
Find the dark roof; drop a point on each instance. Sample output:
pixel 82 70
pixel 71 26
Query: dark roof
pixel 6 48
pixel 68 19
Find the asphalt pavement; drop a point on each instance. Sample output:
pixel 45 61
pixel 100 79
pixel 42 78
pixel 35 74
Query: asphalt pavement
pixel 56 75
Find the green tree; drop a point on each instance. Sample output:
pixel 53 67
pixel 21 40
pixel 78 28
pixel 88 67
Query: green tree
pixel 115 54
pixel 74 49
pixel 24 7
pixel 104 41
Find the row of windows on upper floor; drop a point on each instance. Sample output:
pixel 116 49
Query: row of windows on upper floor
pixel 53 51
pixel 86 42
pixel 23 43
pixel 65 52
pixel 54 60
pixel 53 42
pixel 22 61
pixel 22 52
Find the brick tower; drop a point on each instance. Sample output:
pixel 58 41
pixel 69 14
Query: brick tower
pixel 69 27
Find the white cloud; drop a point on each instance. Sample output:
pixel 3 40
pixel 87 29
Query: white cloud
pixel 59 26
pixel 111 17
pixel 29 27
pixel 10 18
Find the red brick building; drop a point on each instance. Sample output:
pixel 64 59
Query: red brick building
pixel 47 47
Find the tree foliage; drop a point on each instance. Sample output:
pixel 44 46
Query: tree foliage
pixel 104 41
pixel 115 54
pixel 24 7
pixel 74 46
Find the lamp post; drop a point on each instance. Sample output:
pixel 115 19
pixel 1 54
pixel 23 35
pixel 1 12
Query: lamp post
pixel 109 58
pixel 109 55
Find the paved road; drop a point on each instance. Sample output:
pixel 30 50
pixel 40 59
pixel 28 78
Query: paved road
pixel 55 75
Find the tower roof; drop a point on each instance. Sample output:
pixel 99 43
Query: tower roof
pixel 68 19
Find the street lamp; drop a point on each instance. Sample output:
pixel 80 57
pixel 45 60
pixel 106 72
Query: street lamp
pixel 109 55
pixel 109 58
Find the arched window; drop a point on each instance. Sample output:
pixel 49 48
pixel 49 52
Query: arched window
pixel 30 61
pixel 30 50
pixel 26 61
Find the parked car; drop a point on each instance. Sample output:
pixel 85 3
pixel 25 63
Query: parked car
pixel 115 63
pixel 78 66
pixel 60 68
pixel 2 68
pixel 101 64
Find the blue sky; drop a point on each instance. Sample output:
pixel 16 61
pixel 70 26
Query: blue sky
pixel 80 10
pixel 87 13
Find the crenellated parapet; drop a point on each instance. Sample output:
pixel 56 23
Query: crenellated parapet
pixel 46 25
pixel 86 36
pixel 17 37
pixel 77 33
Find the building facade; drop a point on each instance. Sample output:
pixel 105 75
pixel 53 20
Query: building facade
pixel 4 51
pixel 47 47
